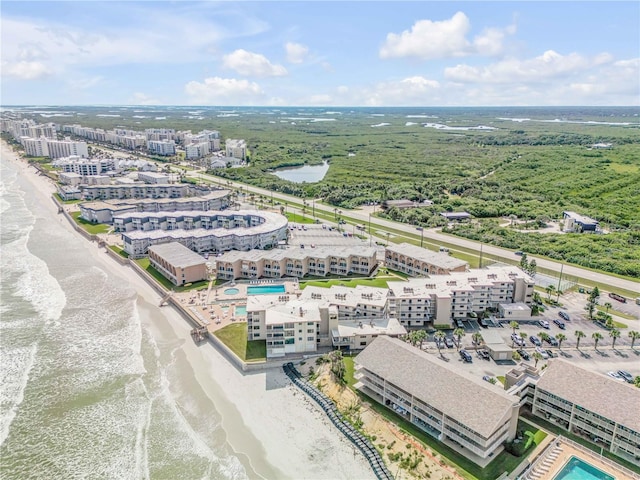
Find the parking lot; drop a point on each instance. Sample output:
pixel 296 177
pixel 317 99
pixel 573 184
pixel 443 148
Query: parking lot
pixel 312 236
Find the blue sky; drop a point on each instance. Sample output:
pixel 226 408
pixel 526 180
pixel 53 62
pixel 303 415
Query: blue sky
pixel 330 53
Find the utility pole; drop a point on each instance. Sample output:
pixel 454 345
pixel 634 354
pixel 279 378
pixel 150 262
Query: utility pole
pixel 560 278
pixel 369 229
pixel 480 264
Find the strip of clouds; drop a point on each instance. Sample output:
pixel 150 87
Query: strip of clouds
pixel 252 64
pixel 224 91
pixel 429 40
pixel 296 52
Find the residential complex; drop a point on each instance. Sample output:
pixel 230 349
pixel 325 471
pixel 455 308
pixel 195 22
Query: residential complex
pixel 320 317
pixel 465 413
pixel 139 190
pixel 161 147
pixel 47 147
pixel 238 230
pixel 177 263
pixel 296 262
pixel 84 166
pixel 444 299
pixel 420 262
pixel 153 177
pixel 236 148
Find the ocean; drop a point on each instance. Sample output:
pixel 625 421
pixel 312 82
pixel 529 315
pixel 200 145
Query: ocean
pixel 87 390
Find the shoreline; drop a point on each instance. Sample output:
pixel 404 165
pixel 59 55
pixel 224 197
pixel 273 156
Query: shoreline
pixel 267 428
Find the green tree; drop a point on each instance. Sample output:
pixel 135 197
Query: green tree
pixel 614 334
pixel 561 337
pixel 533 268
pixel 537 357
pixel 607 306
pixel 636 381
pixel 459 333
pixel 524 262
pixel 549 289
pixel 477 338
pixel 633 335
pixel 439 338
pixel 579 334
pixel 516 356
pixel 544 336
pixel 514 325
pixel 421 335
pixel 597 336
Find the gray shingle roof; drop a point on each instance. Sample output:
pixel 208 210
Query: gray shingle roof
pixel 610 398
pixel 482 408
pixel 177 254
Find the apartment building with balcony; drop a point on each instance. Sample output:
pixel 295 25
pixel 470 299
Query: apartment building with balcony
pixel 161 147
pixel 84 166
pixel 236 148
pixel 194 151
pixel 445 299
pixel 177 263
pixel 427 392
pixel 296 262
pixel 420 262
pixel 594 406
pixel 136 190
pixel 160 134
pixel 238 230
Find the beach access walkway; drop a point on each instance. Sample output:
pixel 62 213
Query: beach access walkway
pixel 360 441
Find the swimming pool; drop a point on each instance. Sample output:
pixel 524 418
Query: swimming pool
pixel 265 289
pixel 576 469
pixel 240 311
pixel 231 291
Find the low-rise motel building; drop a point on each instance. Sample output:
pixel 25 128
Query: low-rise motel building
pixel 339 317
pixel 420 262
pixel 445 299
pixel 177 263
pixel 469 415
pixel 228 230
pixel 296 262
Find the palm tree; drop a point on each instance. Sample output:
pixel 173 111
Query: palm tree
pixel 477 338
pixel 523 336
pixel 633 335
pixel 549 289
pixel 459 333
pixel 561 337
pixel 537 357
pixel 607 306
pixel 597 336
pixel 514 325
pixel 614 334
pixel 544 336
pixel 439 338
pixel 579 334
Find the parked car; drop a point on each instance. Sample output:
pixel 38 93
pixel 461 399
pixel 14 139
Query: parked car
pixel 551 353
pixel 615 375
pixel 564 315
pixel 544 324
pixel 523 354
pixel 535 340
pixel 486 378
pixel 559 323
pixel 466 356
pixel 517 339
pixel 551 341
pixel 519 253
pixel 543 353
pixel 484 355
pixel 448 341
pixel 626 376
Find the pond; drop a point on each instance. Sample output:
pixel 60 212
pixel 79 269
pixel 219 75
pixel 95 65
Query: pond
pixel 306 173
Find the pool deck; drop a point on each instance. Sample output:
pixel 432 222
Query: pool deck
pixel 217 309
pixel 558 453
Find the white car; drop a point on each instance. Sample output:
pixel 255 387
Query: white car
pixel 543 353
pixel 615 375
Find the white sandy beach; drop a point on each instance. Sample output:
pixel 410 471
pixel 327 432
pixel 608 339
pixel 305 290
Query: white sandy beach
pixel 273 428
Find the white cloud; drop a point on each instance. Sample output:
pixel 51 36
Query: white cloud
pixel 140 98
pixel 429 40
pixel 224 91
pixel 296 52
pixel 547 66
pixel 252 64
pixel 416 90
pixel 25 70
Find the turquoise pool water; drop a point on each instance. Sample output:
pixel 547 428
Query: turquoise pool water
pixel 231 291
pixel 577 469
pixel 241 311
pixel 264 289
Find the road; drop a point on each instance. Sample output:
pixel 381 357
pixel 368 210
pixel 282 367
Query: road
pixel 611 282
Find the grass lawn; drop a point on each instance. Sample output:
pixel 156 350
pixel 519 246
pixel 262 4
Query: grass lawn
pixel 165 282
pixel 298 218
pixel 615 312
pixel 234 336
pixel 66 202
pixel 370 282
pixel 119 251
pixel 92 228
pixel 504 462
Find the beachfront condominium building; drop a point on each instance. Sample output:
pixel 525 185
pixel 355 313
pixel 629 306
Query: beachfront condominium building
pixel 35 147
pixel 420 262
pixel 236 148
pixel 136 190
pixel 67 148
pixel 177 263
pixel 445 299
pixel 194 151
pixel 594 406
pixel 211 137
pixel 473 417
pixel 238 230
pixel 160 133
pixel 161 147
pixel 19 128
pixel 297 262
pixel 84 166
pixel 341 321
